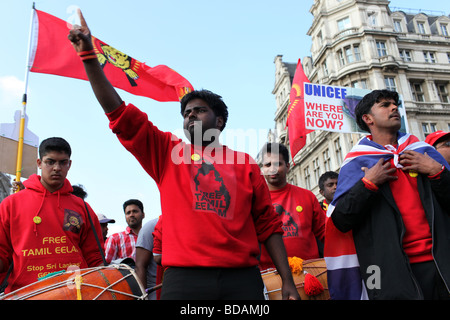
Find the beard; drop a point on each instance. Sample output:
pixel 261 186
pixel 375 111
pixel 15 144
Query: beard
pixel 198 134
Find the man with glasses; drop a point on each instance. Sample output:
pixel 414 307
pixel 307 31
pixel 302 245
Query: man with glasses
pixel 45 228
pixel 441 141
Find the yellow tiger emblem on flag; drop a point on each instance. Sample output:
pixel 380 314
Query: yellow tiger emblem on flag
pixel 107 54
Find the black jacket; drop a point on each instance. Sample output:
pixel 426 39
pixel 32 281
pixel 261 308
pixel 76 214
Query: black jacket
pixel 378 230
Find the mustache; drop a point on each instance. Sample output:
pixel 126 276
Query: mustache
pixel 192 122
pixel 395 114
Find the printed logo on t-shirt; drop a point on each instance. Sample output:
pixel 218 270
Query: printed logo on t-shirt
pixel 72 221
pixel 290 227
pixel 210 194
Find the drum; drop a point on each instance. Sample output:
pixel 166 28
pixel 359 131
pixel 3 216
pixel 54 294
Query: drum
pixel 113 282
pixel 315 267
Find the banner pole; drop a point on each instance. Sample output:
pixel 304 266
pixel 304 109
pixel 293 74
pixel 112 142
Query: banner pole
pixel 24 106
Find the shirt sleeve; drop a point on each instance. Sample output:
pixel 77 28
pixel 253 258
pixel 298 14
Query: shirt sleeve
pixel 138 135
pixel 267 221
pixel 110 249
pixel 157 237
pixel 319 218
pixel 145 237
pixel 5 242
pixel 351 208
pixel 441 187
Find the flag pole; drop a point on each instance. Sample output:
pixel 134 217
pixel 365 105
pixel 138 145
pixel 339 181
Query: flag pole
pixel 24 106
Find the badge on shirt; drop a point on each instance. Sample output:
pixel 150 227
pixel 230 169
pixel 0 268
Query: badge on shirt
pixel 413 173
pixel 72 221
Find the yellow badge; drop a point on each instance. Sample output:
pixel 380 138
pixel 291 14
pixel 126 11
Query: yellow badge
pixel 195 157
pixel 413 173
pixel 37 220
pixel 299 209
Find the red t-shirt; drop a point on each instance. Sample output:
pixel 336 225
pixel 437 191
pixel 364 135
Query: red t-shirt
pixel 303 220
pixel 417 241
pixel 215 202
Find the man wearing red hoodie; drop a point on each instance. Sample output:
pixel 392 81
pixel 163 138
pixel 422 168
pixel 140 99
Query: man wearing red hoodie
pixel 45 228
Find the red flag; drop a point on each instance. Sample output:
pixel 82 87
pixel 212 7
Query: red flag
pixel 296 112
pixel 54 54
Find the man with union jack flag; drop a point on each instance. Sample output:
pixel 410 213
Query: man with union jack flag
pixel 388 233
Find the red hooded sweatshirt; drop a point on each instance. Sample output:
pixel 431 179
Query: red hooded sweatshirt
pixel 61 237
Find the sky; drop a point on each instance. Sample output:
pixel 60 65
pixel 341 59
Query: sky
pixel 227 47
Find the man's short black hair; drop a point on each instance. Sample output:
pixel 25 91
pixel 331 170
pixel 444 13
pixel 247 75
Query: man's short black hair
pixel 214 101
pixel 54 144
pixel 363 107
pixel 274 147
pixel 79 191
pixel 324 177
pixel 135 202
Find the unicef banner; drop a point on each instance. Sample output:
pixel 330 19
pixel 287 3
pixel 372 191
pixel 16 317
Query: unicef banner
pixel 332 108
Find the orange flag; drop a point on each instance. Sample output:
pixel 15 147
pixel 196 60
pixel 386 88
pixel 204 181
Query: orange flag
pixel 54 54
pixel 296 112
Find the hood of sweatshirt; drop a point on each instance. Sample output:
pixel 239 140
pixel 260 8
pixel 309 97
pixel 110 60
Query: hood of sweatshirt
pixel 34 183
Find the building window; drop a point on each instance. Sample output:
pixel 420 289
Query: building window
pixel 326 160
pixel 390 83
pixel 361 84
pixel 350 141
pixel 429 57
pixel 344 23
pixel 417 92
pixel 442 91
pixel 319 38
pixel 421 27
pixel 341 58
pixel 307 178
pixel 381 48
pixel 338 150
pixel 448 57
pixel 316 168
pixel 405 55
pixel 294 180
pixel 349 54
pixel 444 29
pixel 325 68
pixel 372 17
pixel 357 52
pixel 428 128
pixel 398 26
